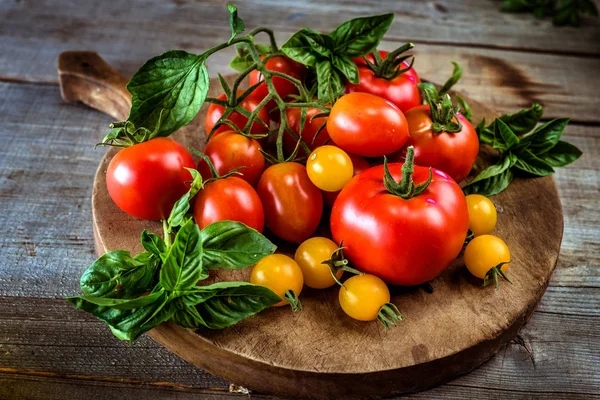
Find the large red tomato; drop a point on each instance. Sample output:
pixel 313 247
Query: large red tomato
pixel 367 125
pixel 250 103
pixel 310 129
pixel 283 87
pixel 453 153
pixel 404 241
pixel 360 165
pixel 231 150
pixel 231 199
pixel 146 179
pixel 293 204
pixel 402 89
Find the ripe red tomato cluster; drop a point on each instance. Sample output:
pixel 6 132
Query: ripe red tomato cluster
pixel 403 222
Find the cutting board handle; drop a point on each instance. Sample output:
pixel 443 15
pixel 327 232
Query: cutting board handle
pixel 84 76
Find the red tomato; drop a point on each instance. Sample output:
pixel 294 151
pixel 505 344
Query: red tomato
pixel 367 125
pixel 309 131
pixel 402 241
pixel 283 87
pixel 146 179
pixel 453 153
pixel 230 150
pixel 231 199
pixel 401 90
pixel 293 204
pixel 359 164
pixel 250 103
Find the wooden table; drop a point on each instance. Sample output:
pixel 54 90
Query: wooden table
pixel 49 350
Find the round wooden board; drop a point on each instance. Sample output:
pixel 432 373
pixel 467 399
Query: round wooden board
pixel 320 352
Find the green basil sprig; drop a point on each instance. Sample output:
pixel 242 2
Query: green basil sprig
pixel 564 12
pixel 330 55
pixel 134 294
pixel 524 149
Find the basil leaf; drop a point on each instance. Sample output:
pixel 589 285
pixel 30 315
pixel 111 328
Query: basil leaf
pixel 235 22
pixel 456 75
pixel 233 245
pixel 546 136
pixel 466 110
pixel 305 46
pixel 230 303
pixel 346 67
pixel 182 267
pixel 360 36
pixel 243 60
pixel 504 137
pixel 168 91
pixel 330 83
pixel 117 275
pixel 493 179
pixel 121 304
pixel 182 206
pixel 563 153
pixel 153 243
pixel 525 120
pixel 529 163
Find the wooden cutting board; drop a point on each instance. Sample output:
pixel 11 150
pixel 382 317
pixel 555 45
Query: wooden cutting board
pixel 320 352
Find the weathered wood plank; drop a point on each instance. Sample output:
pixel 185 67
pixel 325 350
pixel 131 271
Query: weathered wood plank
pixel 34 33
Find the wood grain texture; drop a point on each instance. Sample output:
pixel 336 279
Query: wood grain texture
pixel 33 33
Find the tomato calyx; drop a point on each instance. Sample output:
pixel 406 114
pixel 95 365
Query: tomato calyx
pixel 337 263
pixel 389 315
pixel 213 170
pixel 493 273
pixel 406 188
pixel 293 299
pixel 388 68
pixel 443 113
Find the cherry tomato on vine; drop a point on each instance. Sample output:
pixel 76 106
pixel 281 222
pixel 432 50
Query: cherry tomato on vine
pixel 310 129
pixel 310 256
pixel 454 153
pixel 146 179
pixel 230 198
pixel 402 89
pixel 367 298
pixel 229 151
pixel 482 214
pixel 283 87
pixel 279 273
pixel 293 204
pixel 329 168
pixel 359 165
pixel 250 103
pixel 404 234
pixel 486 257
pixel 367 125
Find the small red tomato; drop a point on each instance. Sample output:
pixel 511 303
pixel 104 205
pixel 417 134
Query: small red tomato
pixel 310 129
pixel 293 204
pixel 453 153
pixel 231 199
pixel 250 103
pixel 367 125
pixel 146 179
pixel 231 150
pixel 359 164
pixel 283 86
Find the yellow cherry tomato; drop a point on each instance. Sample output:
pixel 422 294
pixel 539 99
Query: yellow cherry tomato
pixel 310 255
pixel 279 273
pixel 484 253
pixel 329 168
pixel 482 214
pixel 362 296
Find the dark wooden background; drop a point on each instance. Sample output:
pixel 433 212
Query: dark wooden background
pixel 49 350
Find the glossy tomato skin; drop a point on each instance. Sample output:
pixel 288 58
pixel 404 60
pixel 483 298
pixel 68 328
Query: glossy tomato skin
pixel 146 179
pixel 404 242
pixel 359 165
pixel 401 90
pixel 231 199
pixel 279 273
pixel 229 151
pixel 283 87
pixel 453 153
pixel 367 125
pixel 250 103
pixel 293 204
pixel 310 129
